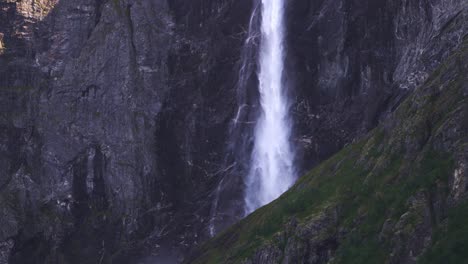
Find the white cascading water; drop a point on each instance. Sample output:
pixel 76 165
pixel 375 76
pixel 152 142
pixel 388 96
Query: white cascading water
pixel 271 172
pixel 246 68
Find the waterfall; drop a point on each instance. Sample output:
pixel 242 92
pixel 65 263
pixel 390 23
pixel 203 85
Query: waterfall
pixel 269 165
pixel 240 128
pixel 271 170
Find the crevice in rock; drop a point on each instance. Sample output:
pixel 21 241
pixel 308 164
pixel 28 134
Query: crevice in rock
pixel 98 5
pixel 128 15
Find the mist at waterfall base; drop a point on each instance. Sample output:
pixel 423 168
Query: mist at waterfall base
pixel 271 169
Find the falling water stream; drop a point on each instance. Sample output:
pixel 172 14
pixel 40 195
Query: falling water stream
pixel 240 126
pixel 271 171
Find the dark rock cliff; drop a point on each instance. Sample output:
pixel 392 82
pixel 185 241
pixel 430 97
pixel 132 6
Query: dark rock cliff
pixel 351 62
pixel 116 115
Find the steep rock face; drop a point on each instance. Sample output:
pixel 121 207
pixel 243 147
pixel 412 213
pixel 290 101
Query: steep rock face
pixel 111 136
pixel 351 62
pixel 192 131
pixel 398 195
pixel 116 115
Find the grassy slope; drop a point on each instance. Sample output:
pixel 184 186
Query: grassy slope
pixel 372 180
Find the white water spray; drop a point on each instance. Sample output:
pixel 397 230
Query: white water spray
pixel 271 172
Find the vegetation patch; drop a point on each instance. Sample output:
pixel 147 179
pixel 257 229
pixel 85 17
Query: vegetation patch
pixel 385 177
pixel 451 240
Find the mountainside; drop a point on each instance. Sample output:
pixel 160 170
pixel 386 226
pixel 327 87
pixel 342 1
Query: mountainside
pixel 126 130
pixel 398 195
